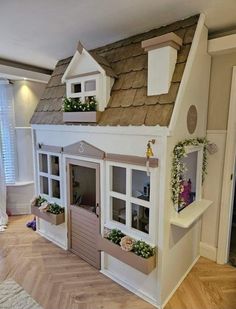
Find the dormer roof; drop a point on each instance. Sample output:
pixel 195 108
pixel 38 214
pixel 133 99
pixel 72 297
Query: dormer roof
pixel 101 64
pixel 129 103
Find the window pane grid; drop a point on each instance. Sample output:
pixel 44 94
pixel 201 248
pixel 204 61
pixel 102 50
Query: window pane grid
pixel 7 132
pixel 49 184
pixel 135 215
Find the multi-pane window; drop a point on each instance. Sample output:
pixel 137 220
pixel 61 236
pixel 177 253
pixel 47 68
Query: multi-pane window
pixel 49 175
pixel 130 199
pixel 83 88
pixel 7 132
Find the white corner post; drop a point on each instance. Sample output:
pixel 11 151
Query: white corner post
pixel 228 180
pixel 162 58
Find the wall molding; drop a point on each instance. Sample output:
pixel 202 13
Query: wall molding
pixel 208 251
pixel 19 209
pixel 28 67
pixel 126 285
pixel 222 45
pixel 179 283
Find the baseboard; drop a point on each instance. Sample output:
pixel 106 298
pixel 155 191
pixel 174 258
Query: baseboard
pixel 19 209
pixel 64 247
pixel 208 251
pixel 130 288
pixel 179 283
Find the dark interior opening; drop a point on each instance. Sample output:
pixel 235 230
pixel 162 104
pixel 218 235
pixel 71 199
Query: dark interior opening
pixel 232 253
pixel 83 187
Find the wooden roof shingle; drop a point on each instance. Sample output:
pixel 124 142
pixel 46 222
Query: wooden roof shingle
pixel 127 61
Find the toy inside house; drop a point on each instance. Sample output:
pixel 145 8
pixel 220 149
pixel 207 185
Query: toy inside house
pixel 106 158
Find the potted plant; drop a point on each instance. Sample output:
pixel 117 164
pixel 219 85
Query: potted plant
pixel 136 253
pixel 74 110
pixel 50 212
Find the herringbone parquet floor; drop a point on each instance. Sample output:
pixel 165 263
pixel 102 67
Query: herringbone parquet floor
pixel 57 279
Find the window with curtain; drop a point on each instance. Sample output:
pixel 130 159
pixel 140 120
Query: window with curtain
pixel 7 131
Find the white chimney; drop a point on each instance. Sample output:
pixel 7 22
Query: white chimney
pixel 162 57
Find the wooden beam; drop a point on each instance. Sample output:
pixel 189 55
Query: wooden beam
pixel 222 45
pixel 24 66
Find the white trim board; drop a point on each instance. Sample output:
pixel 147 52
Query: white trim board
pixel 64 247
pixel 228 185
pixel 112 130
pixel 126 285
pixel 208 251
pixel 187 73
pixel 179 283
pixel 223 45
pixel 17 73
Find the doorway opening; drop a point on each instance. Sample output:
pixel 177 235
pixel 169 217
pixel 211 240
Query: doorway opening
pixel 232 250
pixel 83 185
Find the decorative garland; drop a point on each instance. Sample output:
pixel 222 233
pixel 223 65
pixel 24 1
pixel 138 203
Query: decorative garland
pixel 178 167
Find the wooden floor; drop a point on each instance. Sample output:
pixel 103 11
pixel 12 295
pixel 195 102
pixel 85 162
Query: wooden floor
pixel 57 279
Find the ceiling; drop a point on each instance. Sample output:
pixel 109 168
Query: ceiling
pixel 42 32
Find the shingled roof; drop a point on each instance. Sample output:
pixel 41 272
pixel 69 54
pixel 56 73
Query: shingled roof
pixel 129 103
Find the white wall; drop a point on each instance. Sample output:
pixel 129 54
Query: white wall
pixel 182 246
pixel 212 191
pixel 26 97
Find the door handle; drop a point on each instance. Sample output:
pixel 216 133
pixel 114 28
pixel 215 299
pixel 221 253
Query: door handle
pixel 97 210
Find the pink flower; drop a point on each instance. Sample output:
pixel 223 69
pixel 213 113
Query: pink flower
pixel 127 243
pixel 44 206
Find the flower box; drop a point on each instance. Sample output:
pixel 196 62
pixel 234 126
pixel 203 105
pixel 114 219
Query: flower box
pixel 144 265
pixel 47 216
pixel 92 116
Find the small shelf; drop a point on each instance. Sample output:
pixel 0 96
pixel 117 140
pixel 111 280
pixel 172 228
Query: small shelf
pixel 144 265
pixel 190 214
pixel 47 216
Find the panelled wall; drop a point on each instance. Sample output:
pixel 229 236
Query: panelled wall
pixel 219 98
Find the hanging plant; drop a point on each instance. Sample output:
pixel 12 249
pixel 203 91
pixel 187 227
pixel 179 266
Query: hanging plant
pixel 178 167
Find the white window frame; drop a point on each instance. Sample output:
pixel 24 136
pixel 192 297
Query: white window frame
pixel 7 132
pixel 129 199
pixel 50 177
pixel 199 150
pixel 83 93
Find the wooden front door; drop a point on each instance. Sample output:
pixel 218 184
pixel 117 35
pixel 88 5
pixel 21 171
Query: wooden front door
pixel 83 201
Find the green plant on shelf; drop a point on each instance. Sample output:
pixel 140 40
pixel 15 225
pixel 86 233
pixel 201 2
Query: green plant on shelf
pixel 55 209
pixel 115 236
pixel 143 249
pixel 76 105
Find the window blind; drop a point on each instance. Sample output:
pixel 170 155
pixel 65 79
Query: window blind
pixel 7 131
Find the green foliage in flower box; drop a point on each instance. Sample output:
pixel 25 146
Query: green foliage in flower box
pixel 55 209
pixel 140 247
pixel 115 236
pixel 75 105
pixel 143 249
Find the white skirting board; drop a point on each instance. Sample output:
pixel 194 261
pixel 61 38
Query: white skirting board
pixel 179 283
pixel 52 240
pixel 19 208
pixel 130 288
pixel 208 251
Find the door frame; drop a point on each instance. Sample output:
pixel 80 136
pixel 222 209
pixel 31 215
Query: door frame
pixel 89 164
pixel 227 196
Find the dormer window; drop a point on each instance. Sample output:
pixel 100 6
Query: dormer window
pixel 76 88
pixel 83 87
pixel 89 75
